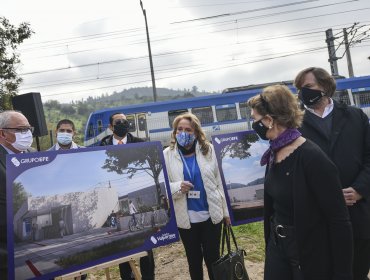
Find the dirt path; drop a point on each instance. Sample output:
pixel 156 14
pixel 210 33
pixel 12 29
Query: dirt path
pixel 171 264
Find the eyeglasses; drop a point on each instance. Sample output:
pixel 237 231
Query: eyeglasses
pixel 22 130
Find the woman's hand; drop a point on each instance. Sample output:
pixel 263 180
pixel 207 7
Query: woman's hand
pixel 186 186
pixel 227 221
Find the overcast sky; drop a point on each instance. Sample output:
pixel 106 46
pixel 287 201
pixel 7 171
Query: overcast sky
pixel 248 169
pixel 86 48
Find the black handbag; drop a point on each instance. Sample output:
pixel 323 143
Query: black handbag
pixel 230 266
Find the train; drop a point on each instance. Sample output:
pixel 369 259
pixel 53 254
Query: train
pixel 221 113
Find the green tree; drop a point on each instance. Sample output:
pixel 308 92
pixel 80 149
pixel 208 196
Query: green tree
pixel 131 161
pixel 19 196
pixel 239 149
pixel 10 38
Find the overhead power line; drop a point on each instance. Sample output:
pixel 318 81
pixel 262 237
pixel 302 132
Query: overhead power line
pixel 192 73
pixel 244 12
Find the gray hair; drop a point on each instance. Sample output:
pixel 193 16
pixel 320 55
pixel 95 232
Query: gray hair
pixel 5 117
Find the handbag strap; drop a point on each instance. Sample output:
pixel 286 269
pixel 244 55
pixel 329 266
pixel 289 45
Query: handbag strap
pixel 233 237
pixel 227 231
pixel 224 234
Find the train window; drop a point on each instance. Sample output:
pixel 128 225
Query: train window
pixel 362 97
pixel 131 121
pixel 204 114
pixel 173 114
pixel 245 111
pixel 142 122
pixel 100 126
pixel 226 112
pixel 342 96
pixel 90 130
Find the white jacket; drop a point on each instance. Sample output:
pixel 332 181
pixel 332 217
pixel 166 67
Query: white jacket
pixel 212 183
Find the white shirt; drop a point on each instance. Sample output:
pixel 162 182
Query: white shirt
pixel 73 146
pixel 124 140
pixel 328 109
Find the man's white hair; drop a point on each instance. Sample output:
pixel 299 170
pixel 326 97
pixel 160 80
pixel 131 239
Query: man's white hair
pixel 5 117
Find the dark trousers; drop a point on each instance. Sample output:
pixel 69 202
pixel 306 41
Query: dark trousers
pixel 282 259
pixel 146 268
pixel 202 240
pixel 361 257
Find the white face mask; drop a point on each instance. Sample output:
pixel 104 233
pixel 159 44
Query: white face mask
pixel 23 141
pixel 64 138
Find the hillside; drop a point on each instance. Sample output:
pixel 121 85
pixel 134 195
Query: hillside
pixel 79 111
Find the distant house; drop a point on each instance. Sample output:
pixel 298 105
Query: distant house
pixel 39 217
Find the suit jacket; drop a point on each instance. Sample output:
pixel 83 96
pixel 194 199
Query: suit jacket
pixel 349 149
pixel 3 154
pixel 108 140
pixel 147 262
pixel 3 229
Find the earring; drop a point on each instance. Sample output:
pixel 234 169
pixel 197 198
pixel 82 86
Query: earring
pixel 270 126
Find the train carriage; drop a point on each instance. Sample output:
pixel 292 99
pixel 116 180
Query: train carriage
pixel 220 113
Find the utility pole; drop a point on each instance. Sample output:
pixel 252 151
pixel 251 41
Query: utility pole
pixel 348 53
pixel 332 55
pixel 150 54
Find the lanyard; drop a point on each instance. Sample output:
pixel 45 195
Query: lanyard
pixel 192 174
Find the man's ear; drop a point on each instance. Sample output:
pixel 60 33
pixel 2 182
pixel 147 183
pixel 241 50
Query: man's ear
pixel 111 127
pixel 2 135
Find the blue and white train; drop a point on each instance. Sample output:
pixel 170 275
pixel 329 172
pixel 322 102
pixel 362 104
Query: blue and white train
pixel 219 113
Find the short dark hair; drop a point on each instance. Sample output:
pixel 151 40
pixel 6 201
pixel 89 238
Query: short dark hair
pixel 323 79
pixel 111 116
pixel 66 121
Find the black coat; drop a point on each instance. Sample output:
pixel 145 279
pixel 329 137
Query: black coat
pixel 3 230
pixel 108 140
pixel 349 149
pixel 321 220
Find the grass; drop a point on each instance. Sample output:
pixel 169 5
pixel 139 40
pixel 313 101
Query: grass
pixel 250 237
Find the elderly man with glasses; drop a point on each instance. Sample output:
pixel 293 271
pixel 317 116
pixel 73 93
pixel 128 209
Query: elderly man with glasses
pixel 15 137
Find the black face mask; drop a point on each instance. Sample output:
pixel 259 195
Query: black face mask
pixel 260 129
pixel 309 96
pixel 121 128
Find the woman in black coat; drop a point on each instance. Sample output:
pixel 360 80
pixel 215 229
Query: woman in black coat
pixel 307 228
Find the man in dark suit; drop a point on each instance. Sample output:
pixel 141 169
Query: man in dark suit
pixel 15 137
pixel 120 127
pixel 343 133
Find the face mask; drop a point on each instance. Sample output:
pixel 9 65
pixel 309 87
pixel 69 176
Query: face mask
pixel 23 141
pixel 185 139
pixel 309 96
pixel 121 129
pixel 260 129
pixel 64 138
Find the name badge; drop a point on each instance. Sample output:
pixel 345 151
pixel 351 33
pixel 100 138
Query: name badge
pixel 194 194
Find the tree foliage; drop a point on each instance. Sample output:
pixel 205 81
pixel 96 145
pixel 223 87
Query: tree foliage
pixel 10 38
pixel 19 196
pixel 131 161
pixel 239 149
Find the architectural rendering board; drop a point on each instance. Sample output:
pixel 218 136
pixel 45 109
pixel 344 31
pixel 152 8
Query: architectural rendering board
pixel 74 209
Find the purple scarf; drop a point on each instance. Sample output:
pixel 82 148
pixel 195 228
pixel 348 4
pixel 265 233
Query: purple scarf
pixel 287 137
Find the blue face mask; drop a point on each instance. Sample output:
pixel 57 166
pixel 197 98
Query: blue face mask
pixel 64 138
pixel 185 139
